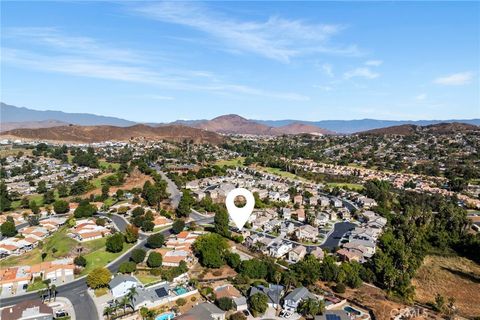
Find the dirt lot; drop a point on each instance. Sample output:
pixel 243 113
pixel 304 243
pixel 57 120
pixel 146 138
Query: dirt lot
pixel 135 180
pixel 451 277
pixel 371 297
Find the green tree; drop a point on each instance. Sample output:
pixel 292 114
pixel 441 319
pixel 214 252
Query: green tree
pixel 8 228
pixel 42 186
pixel 5 200
pixel 34 207
pixel 98 277
pixel 225 303
pixel 258 304
pixel 154 259
pixel 156 240
pixel 61 206
pixel 178 226
pixel 138 255
pixel 221 223
pixel 131 234
pixel 85 210
pixel 80 261
pixel 211 249
pixel 311 307
pixel 49 197
pixel 148 226
pixel 62 189
pixel 127 267
pixel 115 243
pixel 237 316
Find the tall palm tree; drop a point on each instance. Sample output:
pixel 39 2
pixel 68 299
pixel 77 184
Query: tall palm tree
pixel 108 311
pixel 132 292
pixel 277 276
pixel 53 289
pixel 123 302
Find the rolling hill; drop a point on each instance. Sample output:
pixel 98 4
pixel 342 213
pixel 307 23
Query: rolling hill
pixel 89 134
pixel 409 129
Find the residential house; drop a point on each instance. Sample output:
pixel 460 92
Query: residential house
pixel 300 214
pixel 298 199
pixel 337 203
pixel 120 285
pixel 279 248
pixel 324 201
pixel 307 233
pixel 297 254
pixel 32 309
pixel 230 291
pixel 318 253
pixel 293 299
pixel 273 292
pixel 204 311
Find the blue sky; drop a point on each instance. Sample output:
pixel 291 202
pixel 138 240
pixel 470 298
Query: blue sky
pixel 162 61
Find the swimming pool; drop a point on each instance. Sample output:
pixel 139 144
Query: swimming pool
pixel 352 311
pixel 165 316
pixel 180 290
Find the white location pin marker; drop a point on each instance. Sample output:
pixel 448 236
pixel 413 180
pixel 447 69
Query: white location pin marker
pixel 240 215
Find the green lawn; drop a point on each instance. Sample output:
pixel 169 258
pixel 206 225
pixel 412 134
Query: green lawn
pixel 147 278
pixel 105 165
pixel 233 162
pixel 36 285
pixel 98 256
pixel 280 173
pixel 59 240
pixel 353 186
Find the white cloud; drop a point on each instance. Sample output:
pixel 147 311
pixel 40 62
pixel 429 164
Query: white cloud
pixel 79 45
pixel 374 63
pixel 362 72
pixel 421 97
pixel 327 69
pixel 456 79
pixel 323 87
pixel 173 79
pixel 158 97
pixel 276 38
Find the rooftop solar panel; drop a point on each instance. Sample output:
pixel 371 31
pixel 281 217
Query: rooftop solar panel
pixel 161 292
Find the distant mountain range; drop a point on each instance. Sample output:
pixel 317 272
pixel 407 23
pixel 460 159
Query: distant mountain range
pixel 11 113
pixel 12 117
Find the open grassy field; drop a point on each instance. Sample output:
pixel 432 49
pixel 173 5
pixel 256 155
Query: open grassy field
pixel 105 165
pixel 59 240
pixel 14 152
pixel 98 256
pixel 455 277
pixel 353 186
pixel 279 172
pixel 233 162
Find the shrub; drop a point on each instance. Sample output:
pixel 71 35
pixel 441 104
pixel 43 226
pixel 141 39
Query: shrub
pixel 180 302
pixel 339 288
pixel 154 260
pixel 127 267
pixel 225 303
pixel 61 206
pixel 80 261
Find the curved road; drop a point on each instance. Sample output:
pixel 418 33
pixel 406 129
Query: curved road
pixel 76 291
